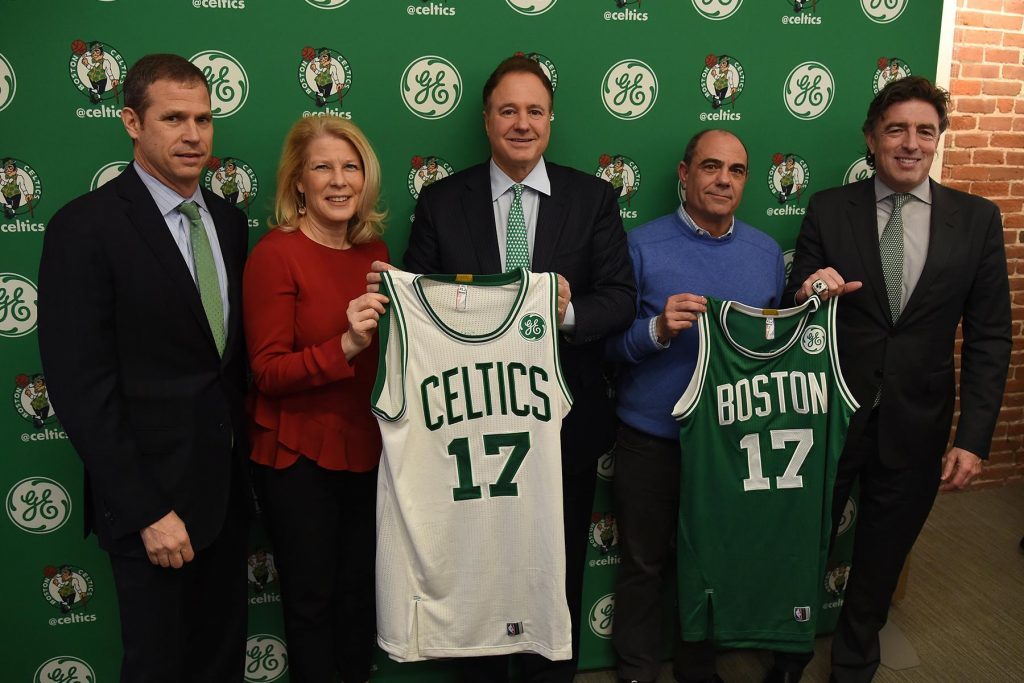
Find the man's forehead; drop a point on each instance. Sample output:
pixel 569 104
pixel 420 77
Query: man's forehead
pixel 170 94
pixel 720 146
pixel 897 113
pixel 516 86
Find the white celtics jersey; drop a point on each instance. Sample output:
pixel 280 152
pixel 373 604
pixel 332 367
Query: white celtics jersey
pixel 470 399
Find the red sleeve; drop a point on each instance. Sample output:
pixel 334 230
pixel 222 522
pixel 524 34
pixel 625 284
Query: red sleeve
pixel 269 298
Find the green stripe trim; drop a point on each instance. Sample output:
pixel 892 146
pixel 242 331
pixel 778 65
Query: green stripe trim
pixel 393 309
pixel 691 395
pixel 553 280
pixel 833 357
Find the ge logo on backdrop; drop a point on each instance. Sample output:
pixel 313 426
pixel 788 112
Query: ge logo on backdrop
pixel 431 87
pixel 629 89
pixel 327 4
pixel 68 669
pixel 18 305
pixel 8 83
pixel 883 11
pixel 266 658
pixel 602 615
pixel 531 7
pixel 716 10
pixel 38 505
pixel 809 90
pixel 106 173
pixel 229 84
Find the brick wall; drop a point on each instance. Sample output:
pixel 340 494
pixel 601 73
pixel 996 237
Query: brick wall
pixel 984 155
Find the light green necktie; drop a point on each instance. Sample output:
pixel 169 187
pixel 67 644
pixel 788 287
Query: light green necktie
pixel 890 245
pixel 517 252
pixel 206 272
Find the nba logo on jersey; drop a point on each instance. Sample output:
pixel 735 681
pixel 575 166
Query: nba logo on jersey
pixel 514 629
pixel 802 613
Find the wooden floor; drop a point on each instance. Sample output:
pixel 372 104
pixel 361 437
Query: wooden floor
pixel 963 612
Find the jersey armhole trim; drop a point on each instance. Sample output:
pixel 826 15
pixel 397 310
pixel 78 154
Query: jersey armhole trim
pixel 553 280
pixel 691 396
pixel 833 358
pixel 393 310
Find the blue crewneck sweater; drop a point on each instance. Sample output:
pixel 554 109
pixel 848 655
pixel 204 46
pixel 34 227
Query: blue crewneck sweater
pixel 670 257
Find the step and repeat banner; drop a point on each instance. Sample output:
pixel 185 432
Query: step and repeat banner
pixel 634 79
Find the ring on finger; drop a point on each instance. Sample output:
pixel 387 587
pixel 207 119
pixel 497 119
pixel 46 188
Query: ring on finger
pixel 819 286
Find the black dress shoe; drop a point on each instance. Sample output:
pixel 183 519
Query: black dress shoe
pixel 779 676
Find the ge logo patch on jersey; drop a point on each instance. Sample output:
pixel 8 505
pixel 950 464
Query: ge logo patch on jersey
pixel 532 326
pixel 813 339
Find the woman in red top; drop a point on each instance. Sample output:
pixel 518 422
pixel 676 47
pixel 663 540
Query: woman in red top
pixel 310 325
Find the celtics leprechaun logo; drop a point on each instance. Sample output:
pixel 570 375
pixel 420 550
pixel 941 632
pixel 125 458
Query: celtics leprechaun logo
pixel 888 69
pixel 622 173
pixel 836 578
pixel 604 533
pixel 32 400
pixel 97 70
pixel 722 80
pixel 232 179
pixel 324 74
pixel 425 171
pixel 546 65
pixel 67 587
pixel 788 177
pixel 20 188
pixel 262 570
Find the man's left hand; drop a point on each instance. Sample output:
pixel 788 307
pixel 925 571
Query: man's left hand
pixel 959 468
pixel 564 295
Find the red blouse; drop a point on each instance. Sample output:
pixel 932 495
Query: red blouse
pixel 307 399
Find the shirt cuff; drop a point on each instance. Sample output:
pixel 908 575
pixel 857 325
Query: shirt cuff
pixel 652 328
pixel 568 325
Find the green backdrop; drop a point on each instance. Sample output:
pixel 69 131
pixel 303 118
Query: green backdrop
pixel 634 79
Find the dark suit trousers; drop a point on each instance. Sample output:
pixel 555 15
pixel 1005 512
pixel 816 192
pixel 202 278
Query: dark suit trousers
pixel 322 526
pixel 188 624
pixel 894 504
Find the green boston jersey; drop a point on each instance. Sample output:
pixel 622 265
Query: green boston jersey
pixel 762 425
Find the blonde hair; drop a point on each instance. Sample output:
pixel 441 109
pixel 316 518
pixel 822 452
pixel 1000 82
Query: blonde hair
pixel 368 222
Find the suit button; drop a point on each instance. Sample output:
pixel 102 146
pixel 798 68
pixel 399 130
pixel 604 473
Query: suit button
pixel 220 426
pixel 109 516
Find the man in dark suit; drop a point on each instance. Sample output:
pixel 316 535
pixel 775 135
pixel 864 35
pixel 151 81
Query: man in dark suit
pixel 572 227
pixel 915 258
pixel 141 341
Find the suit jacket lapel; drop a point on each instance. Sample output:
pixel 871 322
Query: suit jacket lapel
pixel 479 220
pixel 146 219
pixel 550 219
pixel 941 239
pixel 864 225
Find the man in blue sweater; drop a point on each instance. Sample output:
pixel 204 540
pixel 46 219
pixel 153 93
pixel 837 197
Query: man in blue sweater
pixel 700 250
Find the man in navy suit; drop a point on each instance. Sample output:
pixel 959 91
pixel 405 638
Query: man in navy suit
pixel 141 341
pixel 573 228
pixel 913 259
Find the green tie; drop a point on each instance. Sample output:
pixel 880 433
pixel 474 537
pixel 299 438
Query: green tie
pixel 890 244
pixel 206 272
pixel 517 252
